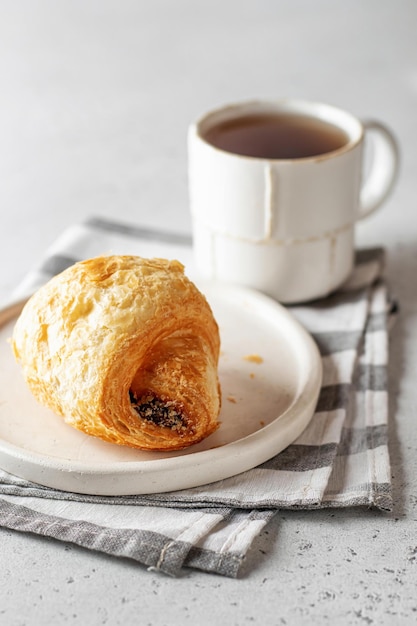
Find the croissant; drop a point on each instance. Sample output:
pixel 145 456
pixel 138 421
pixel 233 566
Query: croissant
pixel 125 349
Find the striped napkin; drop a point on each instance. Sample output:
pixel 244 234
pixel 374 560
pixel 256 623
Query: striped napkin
pixel 340 460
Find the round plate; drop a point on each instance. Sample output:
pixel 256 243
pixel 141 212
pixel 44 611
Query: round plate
pixel 270 374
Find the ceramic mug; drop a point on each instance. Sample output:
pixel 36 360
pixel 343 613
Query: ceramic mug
pixel 276 189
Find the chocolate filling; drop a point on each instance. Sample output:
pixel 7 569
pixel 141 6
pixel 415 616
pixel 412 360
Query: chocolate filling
pixel 152 409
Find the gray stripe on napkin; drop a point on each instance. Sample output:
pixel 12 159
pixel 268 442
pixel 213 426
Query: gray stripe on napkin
pixel 138 232
pixel 338 341
pixel 376 322
pixel 14 486
pixel 338 298
pixel 226 564
pixel 333 397
pixel 371 377
pixel 356 440
pixel 341 340
pixel 304 458
pixel 369 255
pixel 141 545
pixel 56 264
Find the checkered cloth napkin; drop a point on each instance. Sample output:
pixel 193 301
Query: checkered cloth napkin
pixel 340 460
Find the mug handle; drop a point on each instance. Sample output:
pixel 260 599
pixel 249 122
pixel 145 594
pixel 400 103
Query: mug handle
pixel 383 170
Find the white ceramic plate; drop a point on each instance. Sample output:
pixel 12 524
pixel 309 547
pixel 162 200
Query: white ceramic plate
pixel 267 403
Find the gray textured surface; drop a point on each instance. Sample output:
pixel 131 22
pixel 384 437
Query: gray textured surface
pixel 95 100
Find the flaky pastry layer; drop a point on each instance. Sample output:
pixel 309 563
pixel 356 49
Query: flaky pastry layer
pixel 125 349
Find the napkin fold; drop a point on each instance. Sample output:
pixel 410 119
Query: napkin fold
pixel 340 460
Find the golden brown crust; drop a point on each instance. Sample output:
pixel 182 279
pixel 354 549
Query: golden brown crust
pixel 125 349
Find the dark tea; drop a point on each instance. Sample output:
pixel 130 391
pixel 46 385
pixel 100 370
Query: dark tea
pixel 276 136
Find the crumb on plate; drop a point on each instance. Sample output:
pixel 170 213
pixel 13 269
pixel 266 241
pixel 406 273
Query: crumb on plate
pixel 253 358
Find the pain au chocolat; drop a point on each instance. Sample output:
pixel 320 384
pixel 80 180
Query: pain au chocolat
pixel 125 349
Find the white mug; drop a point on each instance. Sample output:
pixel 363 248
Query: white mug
pixel 283 222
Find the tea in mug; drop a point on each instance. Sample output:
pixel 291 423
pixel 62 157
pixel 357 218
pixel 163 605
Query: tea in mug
pixel 276 136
